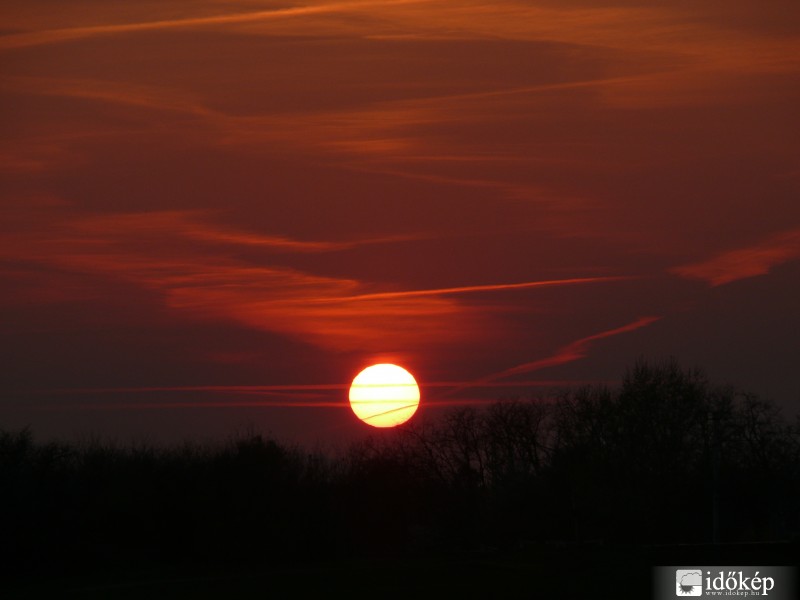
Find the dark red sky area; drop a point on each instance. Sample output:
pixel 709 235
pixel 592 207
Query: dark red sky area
pixel 215 213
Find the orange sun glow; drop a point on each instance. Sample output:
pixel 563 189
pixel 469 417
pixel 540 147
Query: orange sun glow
pixel 384 395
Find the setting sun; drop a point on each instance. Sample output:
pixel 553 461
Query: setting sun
pixel 384 395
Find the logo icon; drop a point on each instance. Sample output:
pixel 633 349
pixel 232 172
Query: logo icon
pixel 688 582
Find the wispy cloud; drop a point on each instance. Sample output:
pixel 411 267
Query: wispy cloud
pixel 105 405
pixel 112 92
pixel 571 352
pixel 54 36
pixel 196 225
pixel 742 263
pixel 174 254
pixel 654 57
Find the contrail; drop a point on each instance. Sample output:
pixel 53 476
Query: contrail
pixel 53 36
pixel 233 389
pixel 571 352
pixel 173 405
pixel 477 288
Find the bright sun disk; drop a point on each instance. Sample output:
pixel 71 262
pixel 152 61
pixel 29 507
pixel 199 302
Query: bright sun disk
pixel 384 395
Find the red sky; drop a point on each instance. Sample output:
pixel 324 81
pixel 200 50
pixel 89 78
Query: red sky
pixel 215 213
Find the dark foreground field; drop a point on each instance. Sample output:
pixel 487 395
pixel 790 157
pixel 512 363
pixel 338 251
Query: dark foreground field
pixel 578 496
pixel 547 571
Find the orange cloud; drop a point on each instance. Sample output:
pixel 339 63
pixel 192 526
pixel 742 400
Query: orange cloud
pixel 655 57
pixel 54 36
pixel 194 225
pixel 168 252
pixel 745 262
pixel 115 92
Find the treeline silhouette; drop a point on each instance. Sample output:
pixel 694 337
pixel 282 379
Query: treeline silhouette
pixel 665 457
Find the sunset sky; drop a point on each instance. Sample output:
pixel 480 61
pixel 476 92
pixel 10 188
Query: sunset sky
pixel 215 214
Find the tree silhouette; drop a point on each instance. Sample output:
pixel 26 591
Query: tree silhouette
pixel 666 457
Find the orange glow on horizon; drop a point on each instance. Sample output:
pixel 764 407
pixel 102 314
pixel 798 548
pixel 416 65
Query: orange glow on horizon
pixel 384 395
